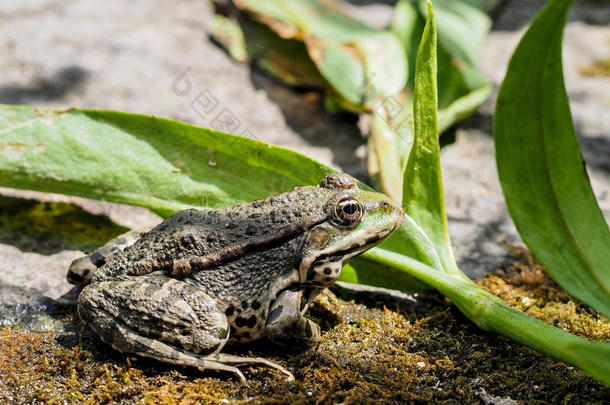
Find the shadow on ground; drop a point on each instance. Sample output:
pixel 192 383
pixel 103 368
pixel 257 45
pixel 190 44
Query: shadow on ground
pixel 51 227
pixel 305 114
pixel 44 228
pixel 54 87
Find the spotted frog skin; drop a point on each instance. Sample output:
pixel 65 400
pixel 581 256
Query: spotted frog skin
pixel 202 279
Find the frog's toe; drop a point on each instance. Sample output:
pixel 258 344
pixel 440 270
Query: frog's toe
pixel 212 365
pixel 242 361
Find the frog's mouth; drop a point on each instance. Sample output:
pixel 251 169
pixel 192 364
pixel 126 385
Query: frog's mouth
pixel 345 255
pixel 321 268
pixel 351 250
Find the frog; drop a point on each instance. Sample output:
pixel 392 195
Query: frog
pixel 205 279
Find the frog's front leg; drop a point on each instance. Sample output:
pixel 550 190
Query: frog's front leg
pixel 286 324
pixel 164 319
pixel 82 269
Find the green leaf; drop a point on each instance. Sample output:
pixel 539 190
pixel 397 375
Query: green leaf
pixel 157 163
pixel 362 64
pixel 462 27
pixel 422 196
pixel 229 34
pixel 288 60
pixel 541 168
pixel 461 88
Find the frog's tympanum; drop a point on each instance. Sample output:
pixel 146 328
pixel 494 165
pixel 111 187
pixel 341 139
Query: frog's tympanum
pixel 201 279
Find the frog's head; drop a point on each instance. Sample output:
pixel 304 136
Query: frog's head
pixel 356 220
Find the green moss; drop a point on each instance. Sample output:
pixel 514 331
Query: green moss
pixel 527 287
pixel 50 227
pixel 381 353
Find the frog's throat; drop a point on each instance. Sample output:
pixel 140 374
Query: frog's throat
pixel 184 267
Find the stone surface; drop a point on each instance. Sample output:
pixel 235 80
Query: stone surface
pixel 155 57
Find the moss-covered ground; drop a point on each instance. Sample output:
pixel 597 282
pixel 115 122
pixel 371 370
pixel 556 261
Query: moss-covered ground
pixel 385 352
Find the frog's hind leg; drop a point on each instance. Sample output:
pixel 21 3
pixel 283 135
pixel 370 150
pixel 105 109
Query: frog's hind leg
pixel 81 270
pixel 164 319
pixel 126 340
pixel 129 341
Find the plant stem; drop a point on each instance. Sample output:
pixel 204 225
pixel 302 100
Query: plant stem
pixel 491 313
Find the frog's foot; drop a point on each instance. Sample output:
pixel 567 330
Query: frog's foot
pixel 227 359
pixel 154 349
pixel 286 324
pixel 81 270
pixel 160 351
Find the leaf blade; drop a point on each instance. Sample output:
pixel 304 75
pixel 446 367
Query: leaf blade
pixel 422 196
pixel 541 169
pixel 361 63
pixel 157 163
pixel 463 27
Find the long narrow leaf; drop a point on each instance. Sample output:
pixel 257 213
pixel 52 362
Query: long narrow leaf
pixel 541 168
pixel 491 313
pixel 422 197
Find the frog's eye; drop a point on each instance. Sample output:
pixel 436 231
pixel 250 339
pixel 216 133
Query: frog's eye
pixel 348 212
